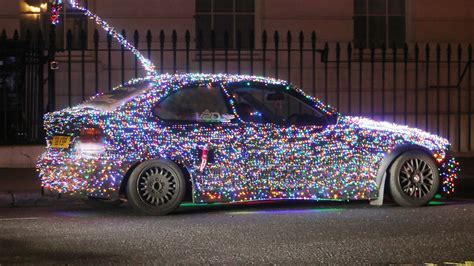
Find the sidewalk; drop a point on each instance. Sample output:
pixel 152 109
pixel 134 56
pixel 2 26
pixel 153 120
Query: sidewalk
pixel 22 187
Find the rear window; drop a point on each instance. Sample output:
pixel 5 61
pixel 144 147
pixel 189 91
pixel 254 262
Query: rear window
pixel 115 98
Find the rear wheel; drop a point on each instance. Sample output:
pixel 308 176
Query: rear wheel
pixel 414 179
pixel 156 187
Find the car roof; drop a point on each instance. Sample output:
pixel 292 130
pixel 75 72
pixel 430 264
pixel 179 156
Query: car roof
pixel 192 78
pixel 161 85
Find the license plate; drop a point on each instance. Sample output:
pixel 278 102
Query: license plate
pixel 61 142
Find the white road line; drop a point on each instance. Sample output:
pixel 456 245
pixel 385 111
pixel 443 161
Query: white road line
pixel 18 219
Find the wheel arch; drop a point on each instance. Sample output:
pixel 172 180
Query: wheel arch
pixel 178 161
pixel 387 162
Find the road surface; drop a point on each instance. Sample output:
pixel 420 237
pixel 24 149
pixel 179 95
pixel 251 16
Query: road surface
pixel 275 232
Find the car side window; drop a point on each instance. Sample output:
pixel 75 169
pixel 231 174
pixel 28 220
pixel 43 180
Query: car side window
pixel 272 105
pixel 194 104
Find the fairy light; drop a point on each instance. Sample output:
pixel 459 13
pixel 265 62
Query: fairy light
pixel 251 162
pixel 146 63
pixel 56 8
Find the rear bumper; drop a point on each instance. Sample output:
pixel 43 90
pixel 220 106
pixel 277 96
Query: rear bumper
pixel 69 174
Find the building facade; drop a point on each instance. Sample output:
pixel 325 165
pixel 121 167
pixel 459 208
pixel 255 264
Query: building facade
pixel 379 90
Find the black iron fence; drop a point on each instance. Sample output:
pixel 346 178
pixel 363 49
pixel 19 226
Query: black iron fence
pixel 422 85
pixel 21 88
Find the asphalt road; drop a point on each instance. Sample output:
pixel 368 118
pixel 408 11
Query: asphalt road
pixel 278 232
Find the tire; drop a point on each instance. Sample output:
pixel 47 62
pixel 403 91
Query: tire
pixel 102 204
pixel 414 179
pixel 156 187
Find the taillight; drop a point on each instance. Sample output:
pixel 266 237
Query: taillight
pixel 91 135
pixel 91 142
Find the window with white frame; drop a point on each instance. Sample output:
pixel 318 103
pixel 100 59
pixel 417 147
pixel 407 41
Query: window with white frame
pixel 35 16
pixel 381 22
pixel 225 15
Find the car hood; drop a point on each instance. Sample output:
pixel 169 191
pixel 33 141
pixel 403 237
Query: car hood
pixel 389 135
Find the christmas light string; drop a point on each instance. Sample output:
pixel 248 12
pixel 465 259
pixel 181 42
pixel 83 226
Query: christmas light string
pixel 56 8
pixel 146 63
pixel 251 161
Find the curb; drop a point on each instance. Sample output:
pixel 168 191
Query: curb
pixel 33 198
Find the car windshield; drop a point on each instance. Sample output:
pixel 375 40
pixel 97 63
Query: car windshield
pixel 112 99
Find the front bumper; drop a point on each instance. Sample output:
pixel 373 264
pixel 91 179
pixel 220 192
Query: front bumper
pixel 71 174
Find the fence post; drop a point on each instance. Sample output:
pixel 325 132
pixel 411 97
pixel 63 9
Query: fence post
pixel 162 47
pixel 417 60
pixel 199 46
pixel 96 60
pixel 405 81
pixel 288 47
pixel 349 76
pixel 394 89
pixel 338 59
pixel 469 80
pixel 438 87
pixel 301 42
pixel 384 59
pixel 109 59
pixel 3 106
pixel 187 39
pixel 427 82
pixel 313 59
pixel 326 57
pixel 40 81
pixel 149 39
pixel 226 51
pixel 361 57
pixel 174 40
pixel 459 98
pixel 136 42
pixel 276 40
pixel 264 53
pixel 83 63
pixel 239 49
pixel 252 47
pixel 51 73
pixel 69 74
pixel 28 103
pixel 122 66
pixel 448 113
pixel 213 51
pixel 372 79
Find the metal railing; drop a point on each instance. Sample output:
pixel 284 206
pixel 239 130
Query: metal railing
pixel 422 85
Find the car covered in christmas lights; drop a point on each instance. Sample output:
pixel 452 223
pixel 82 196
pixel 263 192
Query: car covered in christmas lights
pixel 233 138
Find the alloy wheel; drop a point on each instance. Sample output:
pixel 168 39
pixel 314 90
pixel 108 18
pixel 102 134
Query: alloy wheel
pixel 416 178
pixel 157 186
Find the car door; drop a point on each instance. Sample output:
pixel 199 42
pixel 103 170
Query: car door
pixel 198 128
pixel 266 141
pixel 292 145
pixel 322 156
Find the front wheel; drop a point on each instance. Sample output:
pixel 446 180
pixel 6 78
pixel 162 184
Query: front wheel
pixel 156 187
pixel 414 179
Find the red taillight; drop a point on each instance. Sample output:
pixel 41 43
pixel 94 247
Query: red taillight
pixel 91 134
